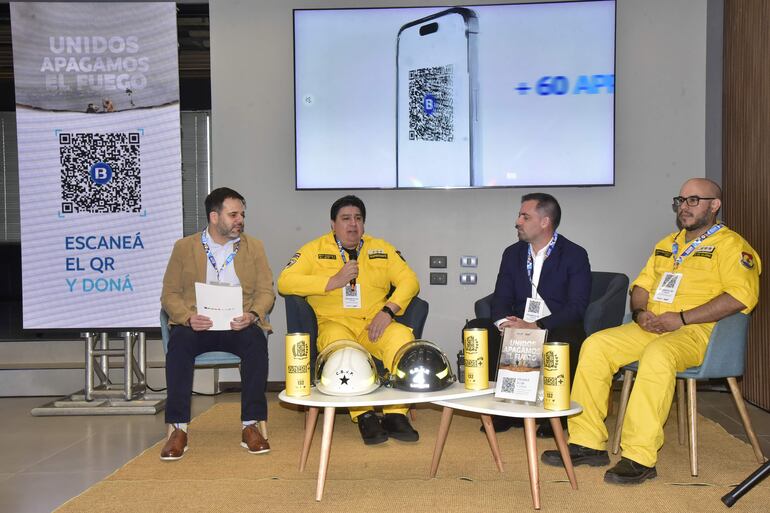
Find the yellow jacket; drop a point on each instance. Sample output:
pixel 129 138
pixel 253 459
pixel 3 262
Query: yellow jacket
pixel 380 265
pixel 722 263
pixel 188 264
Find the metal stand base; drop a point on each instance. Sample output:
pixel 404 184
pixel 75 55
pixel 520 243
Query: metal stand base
pixel 76 404
pixel 128 398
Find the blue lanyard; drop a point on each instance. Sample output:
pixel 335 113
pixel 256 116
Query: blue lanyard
pixel 205 242
pixel 531 255
pixel 342 250
pixel 697 242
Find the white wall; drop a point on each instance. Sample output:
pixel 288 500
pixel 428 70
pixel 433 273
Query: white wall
pixel 660 141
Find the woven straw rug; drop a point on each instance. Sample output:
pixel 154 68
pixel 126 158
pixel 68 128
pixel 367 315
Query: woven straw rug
pixel 216 474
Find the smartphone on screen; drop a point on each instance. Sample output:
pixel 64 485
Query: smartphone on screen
pixel 437 142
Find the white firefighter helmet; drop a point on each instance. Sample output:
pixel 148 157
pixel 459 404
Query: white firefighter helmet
pixel 344 367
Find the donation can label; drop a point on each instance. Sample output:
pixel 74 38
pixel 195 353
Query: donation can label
pixel 476 358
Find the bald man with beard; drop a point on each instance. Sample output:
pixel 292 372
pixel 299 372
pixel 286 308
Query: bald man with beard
pixel 696 276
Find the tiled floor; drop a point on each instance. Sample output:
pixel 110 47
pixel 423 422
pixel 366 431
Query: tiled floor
pixel 44 461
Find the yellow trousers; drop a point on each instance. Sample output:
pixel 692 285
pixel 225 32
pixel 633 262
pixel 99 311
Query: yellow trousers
pixel 384 349
pixel 660 358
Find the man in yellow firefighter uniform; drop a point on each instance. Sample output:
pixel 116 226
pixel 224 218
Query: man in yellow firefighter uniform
pixel 346 277
pixel 694 277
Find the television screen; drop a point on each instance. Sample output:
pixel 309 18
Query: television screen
pixel 481 96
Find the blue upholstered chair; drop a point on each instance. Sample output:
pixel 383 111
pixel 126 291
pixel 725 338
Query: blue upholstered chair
pixel 300 318
pixel 725 358
pixel 213 359
pixel 605 309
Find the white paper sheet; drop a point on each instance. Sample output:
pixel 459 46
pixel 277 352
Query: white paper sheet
pixel 220 303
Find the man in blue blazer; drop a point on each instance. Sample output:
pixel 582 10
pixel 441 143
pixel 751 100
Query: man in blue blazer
pixel 544 282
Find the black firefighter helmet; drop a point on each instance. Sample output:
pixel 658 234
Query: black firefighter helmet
pixel 420 366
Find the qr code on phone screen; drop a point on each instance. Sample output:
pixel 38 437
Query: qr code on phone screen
pixel 430 104
pixel 100 173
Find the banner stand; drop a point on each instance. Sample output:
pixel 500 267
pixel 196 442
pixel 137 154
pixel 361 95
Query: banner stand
pixel 130 397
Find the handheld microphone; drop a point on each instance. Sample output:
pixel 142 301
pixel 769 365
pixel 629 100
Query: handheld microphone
pixel 353 256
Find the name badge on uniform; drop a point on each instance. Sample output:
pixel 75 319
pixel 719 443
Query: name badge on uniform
pixel 535 309
pixel 351 296
pixel 667 287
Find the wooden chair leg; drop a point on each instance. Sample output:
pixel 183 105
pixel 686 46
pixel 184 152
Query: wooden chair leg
pixel 692 413
pixel 681 412
pixel 741 405
pixel 624 393
pixel 262 425
pixel 412 414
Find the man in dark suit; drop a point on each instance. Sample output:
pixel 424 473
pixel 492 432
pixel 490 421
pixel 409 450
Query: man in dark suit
pixel 544 282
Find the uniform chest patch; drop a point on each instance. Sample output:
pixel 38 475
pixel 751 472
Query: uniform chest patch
pixel 377 253
pixel 663 253
pixel 326 256
pixel 704 254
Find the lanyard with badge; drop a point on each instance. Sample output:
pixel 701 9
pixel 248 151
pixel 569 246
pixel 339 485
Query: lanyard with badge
pixel 535 307
pixel 351 295
pixel 230 257
pixel 670 281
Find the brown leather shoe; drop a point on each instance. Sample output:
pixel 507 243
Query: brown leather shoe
pixel 175 447
pixel 253 440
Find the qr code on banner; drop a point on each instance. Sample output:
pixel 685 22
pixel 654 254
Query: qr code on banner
pixel 508 385
pixel 100 173
pixel 430 104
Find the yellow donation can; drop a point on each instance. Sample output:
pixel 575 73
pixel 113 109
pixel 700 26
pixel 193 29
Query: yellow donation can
pixel 556 376
pixel 297 364
pixel 476 358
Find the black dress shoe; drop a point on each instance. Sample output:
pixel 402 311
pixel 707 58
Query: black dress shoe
pixel 371 431
pixel 502 424
pixel 629 472
pixel 398 427
pixel 579 455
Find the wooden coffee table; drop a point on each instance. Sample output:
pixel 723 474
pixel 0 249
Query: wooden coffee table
pixel 487 406
pixel 381 397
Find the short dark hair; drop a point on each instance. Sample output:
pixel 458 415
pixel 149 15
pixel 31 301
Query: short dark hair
pixel 348 201
pixel 546 205
pixel 217 197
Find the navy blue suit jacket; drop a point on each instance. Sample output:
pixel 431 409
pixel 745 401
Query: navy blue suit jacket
pixel 565 283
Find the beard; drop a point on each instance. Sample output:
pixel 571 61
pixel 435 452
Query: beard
pixel 695 222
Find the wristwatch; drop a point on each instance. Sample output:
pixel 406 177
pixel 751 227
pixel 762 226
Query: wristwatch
pixel 256 316
pixel 389 311
pixel 635 313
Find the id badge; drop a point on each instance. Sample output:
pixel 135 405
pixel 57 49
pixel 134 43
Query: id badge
pixel 351 296
pixel 535 309
pixel 669 283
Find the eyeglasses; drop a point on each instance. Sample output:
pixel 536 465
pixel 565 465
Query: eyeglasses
pixel 692 201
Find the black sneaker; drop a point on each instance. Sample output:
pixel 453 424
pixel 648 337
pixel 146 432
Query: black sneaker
pixel 398 427
pixel 371 431
pixel 502 424
pixel 579 455
pixel 629 472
